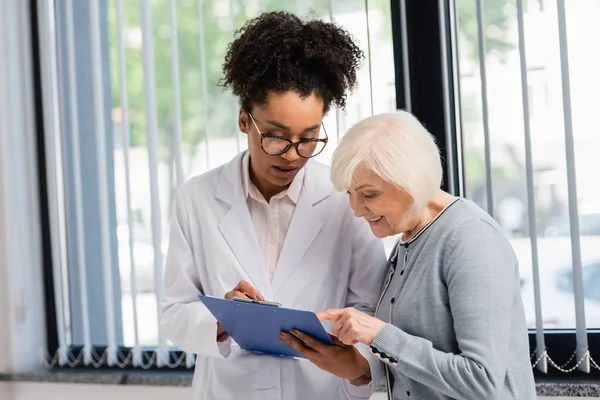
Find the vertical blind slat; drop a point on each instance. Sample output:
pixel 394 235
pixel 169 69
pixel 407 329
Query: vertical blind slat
pixel 152 136
pixel 449 156
pixel 77 189
pixel 539 324
pixel 336 110
pixel 369 56
pixel 101 155
pixel 236 129
pixel 581 334
pixel 454 52
pixel 485 110
pixel 176 93
pixel 125 137
pixel 54 172
pixel 203 76
pixel 405 57
pixel 189 359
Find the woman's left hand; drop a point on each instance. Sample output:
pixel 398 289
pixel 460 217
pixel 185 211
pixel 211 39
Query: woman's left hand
pixel 352 326
pixel 338 359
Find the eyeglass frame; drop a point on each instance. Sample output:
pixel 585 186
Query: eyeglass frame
pixel 291 144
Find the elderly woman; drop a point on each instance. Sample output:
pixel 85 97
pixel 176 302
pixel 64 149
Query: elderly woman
pixel 450 321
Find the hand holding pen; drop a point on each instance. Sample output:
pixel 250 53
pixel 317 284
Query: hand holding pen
pixel 242 289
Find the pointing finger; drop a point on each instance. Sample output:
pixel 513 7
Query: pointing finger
pixel 330 315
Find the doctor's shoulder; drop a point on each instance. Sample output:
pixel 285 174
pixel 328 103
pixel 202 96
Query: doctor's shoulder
pixel 201 185
pixel 336 208
pixel 336 201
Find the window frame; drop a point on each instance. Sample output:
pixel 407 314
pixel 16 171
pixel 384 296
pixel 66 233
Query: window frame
pixel 432 102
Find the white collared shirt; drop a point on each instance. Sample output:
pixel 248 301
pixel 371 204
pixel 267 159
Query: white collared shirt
pixel 271 220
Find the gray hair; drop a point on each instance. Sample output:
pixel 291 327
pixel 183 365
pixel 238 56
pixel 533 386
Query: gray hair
pixel 395 146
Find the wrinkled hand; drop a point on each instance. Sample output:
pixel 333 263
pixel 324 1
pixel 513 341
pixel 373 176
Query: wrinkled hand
pixel 337 359
pixel 352 326
pixel 240 290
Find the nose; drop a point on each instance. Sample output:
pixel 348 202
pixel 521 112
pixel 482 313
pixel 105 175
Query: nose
pixel 357 207
pixel 291 155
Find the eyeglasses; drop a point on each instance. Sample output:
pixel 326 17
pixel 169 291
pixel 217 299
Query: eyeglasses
pixel 278 145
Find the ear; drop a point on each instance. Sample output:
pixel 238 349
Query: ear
pixel 243 121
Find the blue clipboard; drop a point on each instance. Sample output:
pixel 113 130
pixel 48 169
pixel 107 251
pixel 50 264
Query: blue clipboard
pixel 256 327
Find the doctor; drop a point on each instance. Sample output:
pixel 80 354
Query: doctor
pixel 269 223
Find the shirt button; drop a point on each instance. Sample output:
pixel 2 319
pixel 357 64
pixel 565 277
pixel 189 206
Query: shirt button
pixel 393 300
pixel 401 272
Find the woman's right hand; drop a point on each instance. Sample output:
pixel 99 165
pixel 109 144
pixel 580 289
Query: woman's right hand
pixel 352 326
pixel 242 289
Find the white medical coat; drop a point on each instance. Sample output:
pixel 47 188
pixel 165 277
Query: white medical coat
pixel 329 259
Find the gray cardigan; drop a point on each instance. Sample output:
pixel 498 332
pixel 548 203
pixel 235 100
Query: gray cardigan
pixel 456 325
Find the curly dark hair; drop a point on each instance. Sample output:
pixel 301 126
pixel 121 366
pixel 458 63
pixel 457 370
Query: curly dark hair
pixel 278 52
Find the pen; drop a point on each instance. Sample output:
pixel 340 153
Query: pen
pixel 255 301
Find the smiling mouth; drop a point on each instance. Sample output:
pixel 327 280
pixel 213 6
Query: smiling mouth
pixel 375 219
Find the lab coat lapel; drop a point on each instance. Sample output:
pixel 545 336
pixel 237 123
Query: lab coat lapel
pixel 304 226
pixel 237 228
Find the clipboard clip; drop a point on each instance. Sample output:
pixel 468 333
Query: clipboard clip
pixel 261 302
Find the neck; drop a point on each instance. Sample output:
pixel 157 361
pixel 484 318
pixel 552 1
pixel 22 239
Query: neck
pixel 264 187
pixel 440 201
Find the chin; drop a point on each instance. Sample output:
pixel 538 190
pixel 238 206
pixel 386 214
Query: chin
pixel 378 233
pixel 280 180
pixel 277 181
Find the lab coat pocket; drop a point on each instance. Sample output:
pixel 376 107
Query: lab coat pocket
pixel 246 374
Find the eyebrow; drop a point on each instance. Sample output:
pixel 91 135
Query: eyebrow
pixel 287 128
pixel 362 186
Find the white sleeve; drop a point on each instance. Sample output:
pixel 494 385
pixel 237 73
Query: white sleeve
pixel 184 320
pixel 364 288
